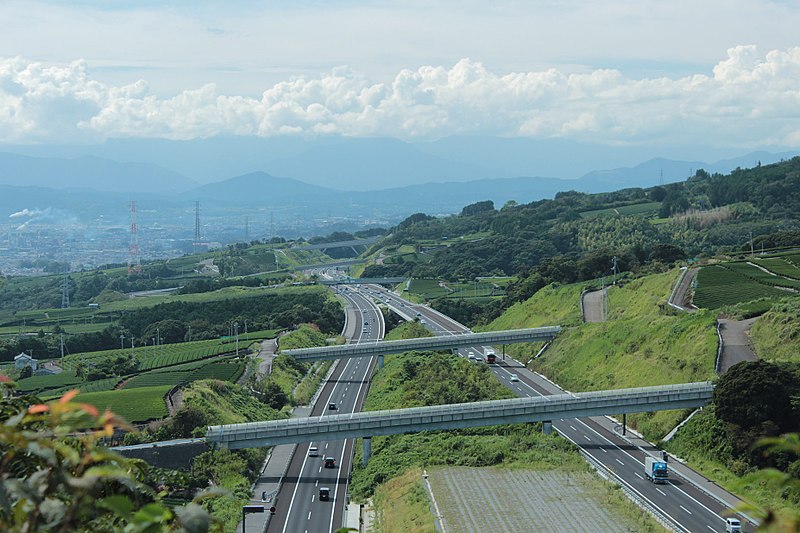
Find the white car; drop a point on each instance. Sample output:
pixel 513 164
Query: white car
pixel 514 377
pixel 733 525
pixel 471 354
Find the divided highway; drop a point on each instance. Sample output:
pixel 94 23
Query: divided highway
pixel 681 503
pixel 299 509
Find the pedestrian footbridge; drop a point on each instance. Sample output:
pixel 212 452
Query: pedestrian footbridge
pixel 379 348
pixel 459 416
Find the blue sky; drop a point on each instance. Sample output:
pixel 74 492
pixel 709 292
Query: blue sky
pixel 725 73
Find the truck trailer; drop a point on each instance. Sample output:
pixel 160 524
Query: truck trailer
pixel 655 470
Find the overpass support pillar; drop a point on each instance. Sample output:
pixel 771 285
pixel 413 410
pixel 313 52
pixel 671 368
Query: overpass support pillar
pixel 367 450
pixel 547 427
pixel 380 361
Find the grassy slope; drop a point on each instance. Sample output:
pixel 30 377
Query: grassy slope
pixel 403 505
pixel 644 343
pixel 516 446
pixel 227 403
pixel 775 334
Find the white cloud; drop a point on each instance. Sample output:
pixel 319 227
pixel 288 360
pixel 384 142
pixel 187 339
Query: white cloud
pixel 749 99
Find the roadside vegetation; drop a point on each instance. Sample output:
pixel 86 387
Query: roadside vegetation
pixel 751 401
pixel 433 378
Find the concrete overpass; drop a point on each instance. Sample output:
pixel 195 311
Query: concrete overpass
pixel 340 244
pixel 366 281
pixel 458 416
pixel 424 343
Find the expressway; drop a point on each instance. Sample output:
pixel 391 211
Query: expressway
pixel 683 505
pixel 298 508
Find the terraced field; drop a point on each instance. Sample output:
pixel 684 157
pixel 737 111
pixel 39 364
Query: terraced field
pixel 781 266
pixel 718 286
pixel 134 405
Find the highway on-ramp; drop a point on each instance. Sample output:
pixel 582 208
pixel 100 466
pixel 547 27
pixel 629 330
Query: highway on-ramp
pixel 680 503
pixel 298 507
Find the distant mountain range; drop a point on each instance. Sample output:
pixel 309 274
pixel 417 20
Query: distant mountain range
pixel 323 178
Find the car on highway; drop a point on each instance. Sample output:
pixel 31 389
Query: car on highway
pixel 514 377
pixel 479 359
pixel 733 525
pixel 332 407
pixel 471 354
pixel 324 494
pixel 330 462
pixel 313 451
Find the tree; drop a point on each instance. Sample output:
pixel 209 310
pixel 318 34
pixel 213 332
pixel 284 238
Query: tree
pixel 56 476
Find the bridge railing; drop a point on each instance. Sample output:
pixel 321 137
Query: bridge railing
pixel 474 414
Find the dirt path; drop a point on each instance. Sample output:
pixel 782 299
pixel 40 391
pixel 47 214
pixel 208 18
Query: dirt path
pixel 593 306
pixel 736 345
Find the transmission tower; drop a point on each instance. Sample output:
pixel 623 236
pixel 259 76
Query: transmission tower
pixel 196 226
pixel 134 263
pixel 65 290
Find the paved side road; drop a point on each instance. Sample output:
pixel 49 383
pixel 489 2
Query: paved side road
pixel 593 306
pixel 736 345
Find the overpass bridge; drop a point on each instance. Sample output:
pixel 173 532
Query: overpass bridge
pixel 381 348
pixel 458 416
pixel 366 281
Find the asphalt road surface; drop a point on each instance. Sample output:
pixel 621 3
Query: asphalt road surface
pixel 683 504
pixel 298 508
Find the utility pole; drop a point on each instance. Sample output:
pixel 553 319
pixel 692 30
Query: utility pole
pixel 236 332
pixel 614 270
pixel 121 341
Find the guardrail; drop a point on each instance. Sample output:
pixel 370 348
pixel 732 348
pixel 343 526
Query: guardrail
pixel 425 343
pixel 459 416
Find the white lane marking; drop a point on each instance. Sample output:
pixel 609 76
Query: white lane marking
pixel 603 450
pixel 711 528
pixel 685 509
pixel 573 427
pixel 312 497
pixel 587 438
pixel 662 492
pixel 326 445
pixel 316 483
pixel 319 470
pixel 309 516
pixel 620 462
pixel 637 475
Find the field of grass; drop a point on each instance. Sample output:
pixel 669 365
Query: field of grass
pixel 718 286
pixel 775 334
pixel 643 343
pixel 403 505
pixel 134 405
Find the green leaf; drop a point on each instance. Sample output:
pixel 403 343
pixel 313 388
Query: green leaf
pixel 119 504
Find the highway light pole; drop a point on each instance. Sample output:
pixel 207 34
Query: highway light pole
pixel 236 334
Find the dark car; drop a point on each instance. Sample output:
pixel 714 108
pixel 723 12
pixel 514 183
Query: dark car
pixel 324 494
pixel 332 407
pixel 330 462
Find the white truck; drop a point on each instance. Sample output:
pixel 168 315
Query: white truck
pixel 655 470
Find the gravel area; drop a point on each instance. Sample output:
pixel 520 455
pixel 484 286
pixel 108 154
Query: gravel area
pixel 494 499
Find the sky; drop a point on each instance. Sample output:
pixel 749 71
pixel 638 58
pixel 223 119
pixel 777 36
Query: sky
pixel 722 73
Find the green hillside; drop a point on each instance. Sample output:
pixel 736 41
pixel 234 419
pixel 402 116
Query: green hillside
pixel 644 343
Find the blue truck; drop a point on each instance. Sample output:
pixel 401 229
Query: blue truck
pixel 656 470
